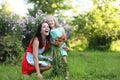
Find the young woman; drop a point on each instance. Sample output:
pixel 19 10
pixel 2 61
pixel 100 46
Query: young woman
pixel 35 50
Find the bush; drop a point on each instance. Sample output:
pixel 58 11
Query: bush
pixel 30 25
pixel 59 67
pixel 11 49
pixel 115 46
pixel 100 26
pixel 100 43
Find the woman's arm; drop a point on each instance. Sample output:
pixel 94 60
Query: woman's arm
pixel 35 54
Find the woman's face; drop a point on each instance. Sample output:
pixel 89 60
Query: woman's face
pixel 51 22
pixel 45 29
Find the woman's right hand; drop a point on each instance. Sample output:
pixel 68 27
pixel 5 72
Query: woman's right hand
pixel 40 76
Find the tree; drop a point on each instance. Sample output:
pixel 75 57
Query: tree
pixel 49 6
pixel 101 25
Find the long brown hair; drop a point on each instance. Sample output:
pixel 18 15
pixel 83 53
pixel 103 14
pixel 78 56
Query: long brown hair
pixel 39 36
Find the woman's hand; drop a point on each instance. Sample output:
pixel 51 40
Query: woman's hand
pixel 40 76
pixel 50 58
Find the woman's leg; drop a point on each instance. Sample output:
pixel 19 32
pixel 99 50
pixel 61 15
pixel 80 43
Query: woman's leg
pixel 44 68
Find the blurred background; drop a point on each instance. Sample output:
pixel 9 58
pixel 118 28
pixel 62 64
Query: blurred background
pixel 89 24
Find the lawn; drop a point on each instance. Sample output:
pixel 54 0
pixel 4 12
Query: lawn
pixel 86 65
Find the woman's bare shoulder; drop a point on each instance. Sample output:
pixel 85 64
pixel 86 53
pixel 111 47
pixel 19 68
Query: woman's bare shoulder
pixel 35 38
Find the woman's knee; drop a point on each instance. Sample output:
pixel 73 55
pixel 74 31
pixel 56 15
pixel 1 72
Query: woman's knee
pixel 49 66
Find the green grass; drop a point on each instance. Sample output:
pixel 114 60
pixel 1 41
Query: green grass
pixel 95 66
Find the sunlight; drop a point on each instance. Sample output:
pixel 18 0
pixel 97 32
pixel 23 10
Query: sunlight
pixel 20 8
pixel 116 3
pixel 79 7
pixel 17 6
pixel 83 6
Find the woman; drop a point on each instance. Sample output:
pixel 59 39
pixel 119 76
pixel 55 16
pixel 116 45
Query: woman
pixel 35 50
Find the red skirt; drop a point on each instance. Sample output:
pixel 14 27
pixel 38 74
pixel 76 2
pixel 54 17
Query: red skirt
pixel 26 67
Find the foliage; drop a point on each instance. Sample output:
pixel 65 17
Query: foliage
pixel 59 67
pixel 98 65
pixel 30 24
pixel 49 6
pixel 8 24
pixel 10 37
pixel 11 49
pixel 15 28
pixel 115 46
pixel 21 27
pixel 100 26
pixel 103 1
pixel 78 42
